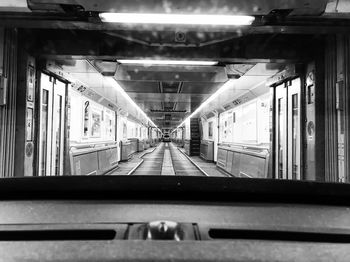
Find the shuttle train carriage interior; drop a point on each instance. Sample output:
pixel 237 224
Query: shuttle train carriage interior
pixel 107 111
pixel 95 113
pixel 100 96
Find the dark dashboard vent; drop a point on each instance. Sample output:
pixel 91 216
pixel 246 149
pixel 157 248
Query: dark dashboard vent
pixel 57 235
pixel 278 235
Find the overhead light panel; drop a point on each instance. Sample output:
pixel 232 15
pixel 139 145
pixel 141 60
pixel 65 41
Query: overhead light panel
pixel 166 62
pixel 176 19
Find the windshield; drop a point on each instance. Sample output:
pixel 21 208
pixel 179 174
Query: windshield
pixel 234 89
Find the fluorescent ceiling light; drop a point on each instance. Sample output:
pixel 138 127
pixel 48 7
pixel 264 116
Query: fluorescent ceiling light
pixel 222 89
pixel 167 62
pixel 178 19
pixel 115 84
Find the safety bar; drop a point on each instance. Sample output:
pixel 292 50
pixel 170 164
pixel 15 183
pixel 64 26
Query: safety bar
pixel 249 149
pixel 91 145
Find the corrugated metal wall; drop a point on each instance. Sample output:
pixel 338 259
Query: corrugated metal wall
pixel 331 141
pixel 347 106
pixel 337 69
pixel 8 112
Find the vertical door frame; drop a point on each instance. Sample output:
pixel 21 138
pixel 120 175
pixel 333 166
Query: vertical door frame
pixel 50 124
pixel 287 121
pixel 49 88
pixel 281 94
pixel 294 88
pixel 62 92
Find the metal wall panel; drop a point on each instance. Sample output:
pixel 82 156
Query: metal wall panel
pixel 222 158
pixel 310 125
pixel 85 164
pixel 337 109
pixel 331 139
pixel 242 161
pixel 25 113
pixel 8 111
pixel 346 71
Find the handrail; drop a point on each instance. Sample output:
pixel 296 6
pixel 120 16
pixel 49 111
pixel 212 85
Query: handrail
pixel 262 153
pixel 261 147
pixel 93 146
pixel 206 141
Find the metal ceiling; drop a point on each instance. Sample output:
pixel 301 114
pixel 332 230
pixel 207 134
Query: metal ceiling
pixel 251 85
pixel 168 103
pixel 256 7
pixel 271 16
pixel 169 93
pixel 171 73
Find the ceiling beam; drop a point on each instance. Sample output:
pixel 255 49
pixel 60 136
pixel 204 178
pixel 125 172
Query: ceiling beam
pixel 301 25
pixel 167 97
pixel 68 44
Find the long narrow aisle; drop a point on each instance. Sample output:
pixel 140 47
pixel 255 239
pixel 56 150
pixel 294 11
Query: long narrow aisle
pixel 153 162
pixel 182 166
pixel 166 160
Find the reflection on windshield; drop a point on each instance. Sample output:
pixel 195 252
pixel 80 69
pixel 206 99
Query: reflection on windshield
pixel 233 90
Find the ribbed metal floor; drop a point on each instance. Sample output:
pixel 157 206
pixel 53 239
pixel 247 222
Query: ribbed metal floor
pixel 167 160
pixel 152 162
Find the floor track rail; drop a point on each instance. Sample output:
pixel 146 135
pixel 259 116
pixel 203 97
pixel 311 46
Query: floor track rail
pixel 190 172
pixel 197 166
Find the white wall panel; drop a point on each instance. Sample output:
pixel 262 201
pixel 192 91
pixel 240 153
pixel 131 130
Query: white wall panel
pixel 247 123
pixel 101 123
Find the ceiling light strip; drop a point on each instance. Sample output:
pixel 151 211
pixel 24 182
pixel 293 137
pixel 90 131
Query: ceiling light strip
pixel 177 19
pixel 115 84
pixel 167 62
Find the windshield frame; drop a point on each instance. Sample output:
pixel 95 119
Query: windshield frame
pixel 170 189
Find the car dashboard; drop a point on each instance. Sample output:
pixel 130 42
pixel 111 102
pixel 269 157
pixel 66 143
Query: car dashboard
pixel 106 229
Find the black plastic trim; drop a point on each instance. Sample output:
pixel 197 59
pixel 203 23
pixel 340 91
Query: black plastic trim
pixel 220 234
pixel 178 188
pixel 57 235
